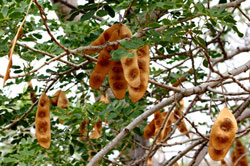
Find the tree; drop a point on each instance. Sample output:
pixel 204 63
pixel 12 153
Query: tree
pixel 191 46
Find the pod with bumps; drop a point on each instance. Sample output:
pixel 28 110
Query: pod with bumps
pixel 103 38
pixel 149 130
pixel 103 64
pixel 224 130
pixel 42 122
pixel 222 135
pixel 117 81
pixel 83 129
pixel 136 93
pixel 167 127
pixel 54 99
pixel 97 132
pixel 63 101
pixel 240 154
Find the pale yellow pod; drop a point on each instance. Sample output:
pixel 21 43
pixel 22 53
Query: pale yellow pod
pixel 224 130
pixel 143 63
pixel 117 82
pixel 42 122
pixel 63 101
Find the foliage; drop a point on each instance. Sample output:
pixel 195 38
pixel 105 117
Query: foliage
pixel 187 38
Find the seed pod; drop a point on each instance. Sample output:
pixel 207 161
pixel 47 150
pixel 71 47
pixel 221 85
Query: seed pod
pixel 83 129
pixel 240 153
pixel 54 99
pixel 103 65
pixel 149 130
pixel 117 82
pixel 224 129
pixel 103 38
pixel 233 157
pixel 136 93
pixel 42 122
pixel 167 127
pixel 222 135
pixel 32 92
pixel 217 155
pixel 177 114
pixel 97 132
pixel 63 101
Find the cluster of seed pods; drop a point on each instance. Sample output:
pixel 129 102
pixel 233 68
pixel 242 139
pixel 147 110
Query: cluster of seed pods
pixel 154 126
pixel 129 73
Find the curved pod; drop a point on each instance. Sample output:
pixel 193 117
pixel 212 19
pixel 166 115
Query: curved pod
pixel 42 122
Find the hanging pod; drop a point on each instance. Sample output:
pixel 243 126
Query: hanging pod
pixel 143 58
pixel 222 135
pixel 167 127
pixel 103 38
pixel 182 127
pixel 149 130
pixel 103 64
pixel 63 101
pixel 224 129
pixel 97 132
pixel 42 122
pixel 54 99
pixel 117 82
pixel 240 153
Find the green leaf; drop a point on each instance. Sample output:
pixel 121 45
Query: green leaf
pixel 102 13
pixel 237 31
pixel 109 10
pixel 71 149
pixel 202 41
pixel 135 43
pixel 16 15
pixel 88 15
pixel 118 54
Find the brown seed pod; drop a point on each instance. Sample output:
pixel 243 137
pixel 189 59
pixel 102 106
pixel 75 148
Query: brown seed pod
pixel 217 155
pixel 83 129
pixel 117 81
pixel 32 92
pixel 240 154
pixel 233 157
pixel 182 127
pixel 149 130
pixel 167 127
pixel 97 132
pixel 54 99
pixel 136 93
pixel 103 38
pixel 131 70
pixel 63 101
pixel 42 122
pixel 224 129
pixel 103 65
